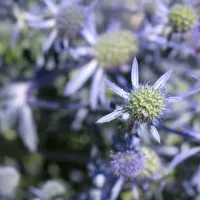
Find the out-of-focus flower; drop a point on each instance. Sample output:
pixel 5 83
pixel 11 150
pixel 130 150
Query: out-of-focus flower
pixel 15 109
pixel 22 17
pixel 141 165
pixel 69 21
pixel 110 51
pixel 115 48
pixel 9 180
pixel 144 104
pixel 182 18
pixel 51 189
pixel 69 18
pixel 135 164
pixel 169 31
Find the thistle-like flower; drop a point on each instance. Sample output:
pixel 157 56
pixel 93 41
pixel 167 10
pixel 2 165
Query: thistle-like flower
pixel 138 163
pixel 170 27
pixel 135 164
pixel 68 19
pixel 144 103
pixel 115 48
pixel 182 18
pixel 110 50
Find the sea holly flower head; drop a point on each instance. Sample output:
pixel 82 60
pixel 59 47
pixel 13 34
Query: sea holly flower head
pixel 69 21
pixel 138 163
pixel 115 48
pixel 69 18
pixel 145 103
pixel 182 18
pixel 135 164
pixel 127 164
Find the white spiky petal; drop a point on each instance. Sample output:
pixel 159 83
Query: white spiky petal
pixel 162 80
pixel 135 74
pixel 117 89
pixel 52 7
pixel 155 133
pixel 96 88
pixel 110 117
pixel 80 78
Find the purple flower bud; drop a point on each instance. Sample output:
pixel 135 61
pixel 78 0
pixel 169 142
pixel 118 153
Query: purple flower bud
pixel 136 164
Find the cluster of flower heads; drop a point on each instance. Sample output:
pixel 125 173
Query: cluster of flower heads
pixel 56 65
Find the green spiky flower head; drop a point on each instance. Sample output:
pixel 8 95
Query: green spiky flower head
pixel 146 104
pixel 182 18
pixel 115 48
pixel 69 21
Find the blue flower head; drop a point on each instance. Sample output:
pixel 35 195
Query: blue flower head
pixel 144 103
pixel 69 20
pixel 136 164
